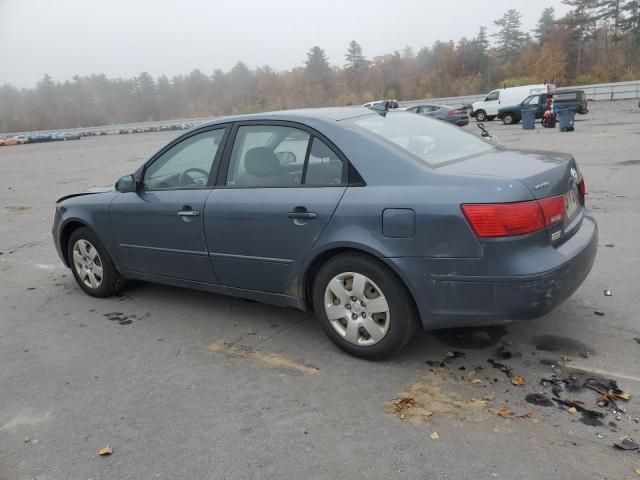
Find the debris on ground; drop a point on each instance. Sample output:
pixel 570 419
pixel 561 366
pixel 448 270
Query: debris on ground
pixel 435 436
pixel 504 412
pixel 538 399
pixel 477 381
pixel 268 359
pixel 610 245
pixel 585 354
pixel 637 339
pixel 401 404
pixel 508 371
pixel 607 293
pixel 637 470
pixel 505 354
pixel 517 380
pixel 572 410
pixel 599 312
pixel 589 417
pixel 627 443
pixel 17 208
pixel 447 358
pixel 106 451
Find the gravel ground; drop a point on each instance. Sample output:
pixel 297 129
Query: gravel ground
pixel 148 373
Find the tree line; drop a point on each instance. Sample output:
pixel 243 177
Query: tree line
pixel 597 41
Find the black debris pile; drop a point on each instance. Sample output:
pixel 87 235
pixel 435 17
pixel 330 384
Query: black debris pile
pixel 539 399
pixel 589 417
pixel 507 370
pixel 505 354
pixel 450 356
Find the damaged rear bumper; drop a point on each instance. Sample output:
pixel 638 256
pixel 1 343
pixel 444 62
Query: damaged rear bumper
pixel 462 300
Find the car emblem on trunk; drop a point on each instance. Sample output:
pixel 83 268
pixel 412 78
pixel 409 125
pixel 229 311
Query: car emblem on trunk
pixel 574 173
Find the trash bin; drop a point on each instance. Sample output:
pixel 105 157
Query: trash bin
pixel 565 119
pixel 529 118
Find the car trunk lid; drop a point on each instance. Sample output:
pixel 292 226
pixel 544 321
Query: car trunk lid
pixel 545 174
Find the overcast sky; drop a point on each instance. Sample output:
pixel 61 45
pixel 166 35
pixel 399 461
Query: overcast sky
pixel 122 38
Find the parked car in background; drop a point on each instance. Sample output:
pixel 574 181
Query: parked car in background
pixel 487 109
pixel 40 137
pixel 457 116
pixel 436 241
pixel 573 99
pixel 15 140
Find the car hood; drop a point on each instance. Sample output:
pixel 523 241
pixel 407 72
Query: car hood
pixel 544 173
pixel 89 191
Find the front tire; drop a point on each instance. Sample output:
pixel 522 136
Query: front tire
pixel 363 307
pixel 481 116
pixel 91 265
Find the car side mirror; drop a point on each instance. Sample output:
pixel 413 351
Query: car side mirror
pixel 126 184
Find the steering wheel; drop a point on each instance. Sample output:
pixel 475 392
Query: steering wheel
pixel 187 180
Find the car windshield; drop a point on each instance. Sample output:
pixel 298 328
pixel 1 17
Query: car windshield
pixel 432 141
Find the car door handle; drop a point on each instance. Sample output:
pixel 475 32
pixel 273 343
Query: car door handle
pixel 300 213
pixel 188 213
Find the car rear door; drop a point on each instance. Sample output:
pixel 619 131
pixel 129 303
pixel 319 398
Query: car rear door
pixel 278 188
pixel 159 228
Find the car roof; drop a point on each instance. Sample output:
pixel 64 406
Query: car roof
pixel 328 114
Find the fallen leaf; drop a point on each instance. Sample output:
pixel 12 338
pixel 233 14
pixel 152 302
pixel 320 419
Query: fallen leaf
pixel 402 403
pixel 105 451
pixel 435 436
pixel 517 380
pixel 479 401
pixel 572 410
pixel 504 412
pixel 526 415
pixel 477 381
pixel 637 470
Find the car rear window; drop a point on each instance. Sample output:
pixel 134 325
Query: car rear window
pixel 431 141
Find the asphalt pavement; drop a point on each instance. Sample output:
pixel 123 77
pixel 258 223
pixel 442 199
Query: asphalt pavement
pixel 189 385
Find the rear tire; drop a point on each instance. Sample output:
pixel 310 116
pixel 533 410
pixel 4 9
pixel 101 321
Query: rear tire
pixel 372 313
pixel 91 265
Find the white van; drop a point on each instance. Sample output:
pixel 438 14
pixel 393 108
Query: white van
pixel 487 109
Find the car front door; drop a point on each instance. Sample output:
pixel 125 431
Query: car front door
pixel 277 191
pixel 159 228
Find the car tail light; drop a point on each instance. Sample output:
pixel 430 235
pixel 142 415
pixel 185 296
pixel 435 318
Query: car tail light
pixel 455 111
pixel 509 219
pixel 582 187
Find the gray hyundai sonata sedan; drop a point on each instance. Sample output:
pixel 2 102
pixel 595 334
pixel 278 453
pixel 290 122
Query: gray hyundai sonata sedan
pixel 378 221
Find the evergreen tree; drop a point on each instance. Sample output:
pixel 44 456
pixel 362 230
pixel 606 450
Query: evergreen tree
pixel 545 25
pixel 510 38
pixel 317 64
pixel 355 60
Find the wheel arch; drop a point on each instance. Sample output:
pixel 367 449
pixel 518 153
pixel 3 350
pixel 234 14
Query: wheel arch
pixel 66 231
pixel 305 283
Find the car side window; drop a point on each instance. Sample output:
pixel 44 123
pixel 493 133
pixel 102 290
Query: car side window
pixel 267 156
pixel 533 100
pixel 324 166
pixel 185 165
pixel 492 96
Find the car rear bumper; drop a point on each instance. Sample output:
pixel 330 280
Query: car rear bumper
pixel 459 300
